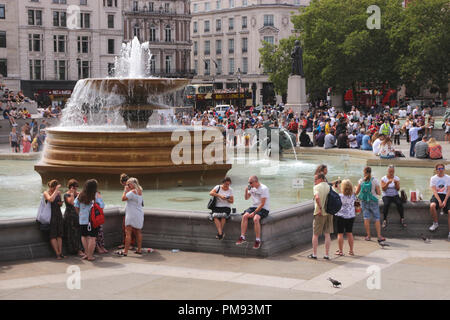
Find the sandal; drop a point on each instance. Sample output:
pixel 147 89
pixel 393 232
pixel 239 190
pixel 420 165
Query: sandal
pixel 367 238
pixel 121 246
pixel 382 239
pixel 120 253
pixel 311 256
pixel 138 252
pixel 339 253
pixel 351 253
pixel 402 222
pixel 326 257
pixel 91 259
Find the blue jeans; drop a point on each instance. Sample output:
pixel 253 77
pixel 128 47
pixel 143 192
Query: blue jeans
pixel 370 209
pixel 411 150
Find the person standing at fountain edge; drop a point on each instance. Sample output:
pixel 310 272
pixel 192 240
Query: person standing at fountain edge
pixel 222 210
pixel 134 215
pixel 368 189
pixel 53 195
pixel 83 204
pixel 440 186
pixel 72 235
pixel 323 222
pixel 260 209
pixel 123 181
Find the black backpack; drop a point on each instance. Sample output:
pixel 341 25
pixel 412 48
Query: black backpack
pixel 334 203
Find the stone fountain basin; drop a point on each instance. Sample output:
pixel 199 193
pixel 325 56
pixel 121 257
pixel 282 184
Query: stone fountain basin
pixel 138 86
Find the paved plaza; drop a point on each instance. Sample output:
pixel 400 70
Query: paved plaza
pixel 408 269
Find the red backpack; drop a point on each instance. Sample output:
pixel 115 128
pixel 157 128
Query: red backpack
pixel 96 217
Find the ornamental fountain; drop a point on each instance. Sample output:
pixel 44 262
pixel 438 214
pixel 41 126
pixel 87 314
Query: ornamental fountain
pixel 104 131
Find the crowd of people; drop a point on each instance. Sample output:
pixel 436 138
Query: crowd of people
pixel 30 138
pixel 75 231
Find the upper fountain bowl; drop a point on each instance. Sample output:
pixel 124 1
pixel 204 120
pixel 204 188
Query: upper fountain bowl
pixel 132 87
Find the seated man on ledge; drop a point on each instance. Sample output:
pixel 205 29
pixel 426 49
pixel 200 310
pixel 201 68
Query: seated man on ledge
pixel 421 149
pixel 260 209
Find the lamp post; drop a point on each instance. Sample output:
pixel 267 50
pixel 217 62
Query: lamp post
pixel 238 73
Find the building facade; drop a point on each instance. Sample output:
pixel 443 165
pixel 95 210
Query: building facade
pixel 9 48
pixel 62 41
pixel 166 26
pixel 227 36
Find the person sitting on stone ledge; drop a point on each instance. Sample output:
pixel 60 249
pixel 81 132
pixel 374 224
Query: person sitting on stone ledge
pixel 258 211
pixel 440 186
pixel 330 140
pixel 342 140
pixel 434 149
pixel 366 143
pixel 390 186
pixel 320 139
pixel 421 149
pixel 305 141
pixel 387 150
pixel 222 210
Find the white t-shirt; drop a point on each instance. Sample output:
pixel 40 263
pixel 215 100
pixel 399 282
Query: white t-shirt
pixel 134 213
pixel 441 183
pixel 228 193
pixel 390 191
pixel 352 140
pixel 376 146
pixel 258 194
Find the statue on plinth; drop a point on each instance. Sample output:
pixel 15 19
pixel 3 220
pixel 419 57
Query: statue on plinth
pixel 297 60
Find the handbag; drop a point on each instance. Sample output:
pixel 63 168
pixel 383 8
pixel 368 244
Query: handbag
pixel 403 196
pixel 212 201
pixel 44 214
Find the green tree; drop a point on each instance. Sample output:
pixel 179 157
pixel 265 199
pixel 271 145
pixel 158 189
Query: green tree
pixel 341 52
pixel 424 33
pixel 276 61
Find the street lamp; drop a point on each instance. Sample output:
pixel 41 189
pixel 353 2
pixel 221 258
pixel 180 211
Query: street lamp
pixel 238 73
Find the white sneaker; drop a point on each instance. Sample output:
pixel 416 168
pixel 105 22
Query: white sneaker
pixel 434 226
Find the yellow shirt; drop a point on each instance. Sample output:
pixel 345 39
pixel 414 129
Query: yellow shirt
pixel 327 128
pixel 322 189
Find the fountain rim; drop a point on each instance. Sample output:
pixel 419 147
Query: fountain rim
pixel 139 132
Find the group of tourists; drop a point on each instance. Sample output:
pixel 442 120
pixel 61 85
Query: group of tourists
pixel 76 231
pixel 364 197
pixel 30 138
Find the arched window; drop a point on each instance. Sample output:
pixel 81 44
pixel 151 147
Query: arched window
pixel 152 33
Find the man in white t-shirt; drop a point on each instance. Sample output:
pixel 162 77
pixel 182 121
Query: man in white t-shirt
pixel 440 186
pixel 259 210
pixel 376 145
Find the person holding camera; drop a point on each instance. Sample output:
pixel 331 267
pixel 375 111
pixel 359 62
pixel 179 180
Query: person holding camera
pixel 53 195
pixel 259 210
pixel 221 211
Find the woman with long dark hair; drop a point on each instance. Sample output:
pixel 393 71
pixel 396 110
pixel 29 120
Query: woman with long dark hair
pixel 83 204
pixel 221 212
pixel 72 235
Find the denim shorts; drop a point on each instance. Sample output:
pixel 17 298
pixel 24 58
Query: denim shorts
pixel 370 209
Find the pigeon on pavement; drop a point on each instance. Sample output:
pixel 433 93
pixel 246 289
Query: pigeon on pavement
pixel 335 283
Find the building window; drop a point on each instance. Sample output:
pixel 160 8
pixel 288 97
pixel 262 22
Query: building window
pixel 244 45
pixel 168 34
pixel 166 7
pixel 219 67
pixel 59 19
pixel 2 39
pixel 85 20
pixel 59 43
pixel 296 2
pixel 269 39
pixel 245 65
pixel 230 45
pixel 61 69
pixel 2 12
pixel 207 67
pixel 111 46
pixel 83 3
pixel 244 3
pixel 111 21
pixel 218 46
pixel 152 33
pixel 218 25
pixel 36 70
pixel 153 64
pixel 84 69
pixel 83 44
pixel 35 17
pixel 35 42
pixel 230 23
pixel 4 67
pixel 60 1
pixel 137 31
pixel 109 3
pixel 268 20
pixel 218 4
pixel 195 48
pixel 150 7
pixel 195 26
pixel 231 3
pixel 231 66
pixel 207 6
pixel 168 64
pixel 207 47
pixel 244 22
pixel 111 69
pixel 135 6
pixel 207 26
pixel 195 7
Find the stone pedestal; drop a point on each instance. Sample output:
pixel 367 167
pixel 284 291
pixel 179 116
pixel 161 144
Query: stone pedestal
pixel 296 98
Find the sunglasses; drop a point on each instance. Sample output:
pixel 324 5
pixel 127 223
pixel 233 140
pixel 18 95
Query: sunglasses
pixel 440 169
